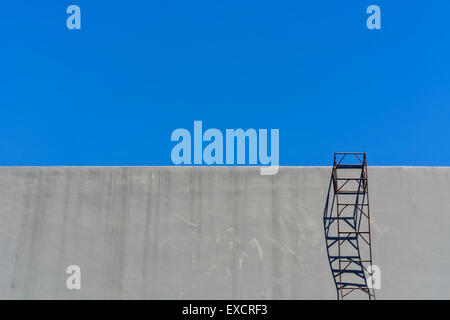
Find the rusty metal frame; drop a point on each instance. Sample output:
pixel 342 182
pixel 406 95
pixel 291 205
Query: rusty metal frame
pixel 346 222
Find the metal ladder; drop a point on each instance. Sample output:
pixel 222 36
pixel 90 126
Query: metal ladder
pixel 347 226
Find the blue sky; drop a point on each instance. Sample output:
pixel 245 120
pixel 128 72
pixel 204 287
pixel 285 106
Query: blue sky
pixel 113 92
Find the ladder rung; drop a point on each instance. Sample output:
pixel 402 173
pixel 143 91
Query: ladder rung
pixel 348 271
pixel 351 232
pixel 344 257
pixel 359 285
pixel 350 192
pixel 349 166
pixel 341 238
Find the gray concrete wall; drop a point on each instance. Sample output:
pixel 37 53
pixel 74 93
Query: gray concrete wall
pixel 211 232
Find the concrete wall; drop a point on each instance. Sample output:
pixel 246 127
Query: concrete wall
pixel 211 232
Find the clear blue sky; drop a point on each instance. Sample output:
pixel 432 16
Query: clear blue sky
pixel 113 92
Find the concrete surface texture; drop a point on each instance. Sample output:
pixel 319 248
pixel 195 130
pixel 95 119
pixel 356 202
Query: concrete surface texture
pixel 211 232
